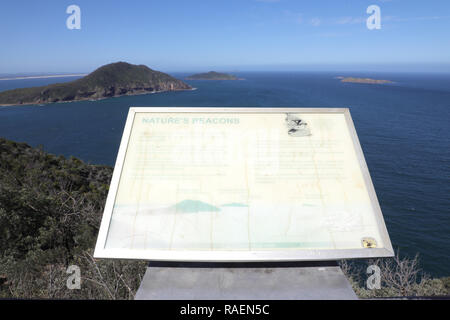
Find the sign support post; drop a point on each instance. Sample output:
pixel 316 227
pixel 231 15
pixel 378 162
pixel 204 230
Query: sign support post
pixel 239 281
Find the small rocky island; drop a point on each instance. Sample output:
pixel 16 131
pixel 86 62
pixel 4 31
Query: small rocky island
pixel 212 75
pixel 111 80
pixel 363 80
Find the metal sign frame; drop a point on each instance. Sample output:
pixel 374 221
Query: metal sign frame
pixel 230 255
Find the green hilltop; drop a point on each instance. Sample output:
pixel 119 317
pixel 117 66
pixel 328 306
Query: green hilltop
pixel 110 80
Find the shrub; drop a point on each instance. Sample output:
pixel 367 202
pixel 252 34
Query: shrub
pixel 400 277
pixel 50 211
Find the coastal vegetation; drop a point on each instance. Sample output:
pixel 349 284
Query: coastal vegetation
pixel 212 75
pixel 50 213
pixel 400 277
pixel 110 80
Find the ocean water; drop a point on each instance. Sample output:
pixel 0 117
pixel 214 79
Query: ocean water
pixel 403 129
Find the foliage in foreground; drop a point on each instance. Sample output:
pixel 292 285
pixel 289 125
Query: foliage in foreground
pixel 50 211
pixel 399 277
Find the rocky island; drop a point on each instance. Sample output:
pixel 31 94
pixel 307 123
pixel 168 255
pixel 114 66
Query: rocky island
pixel 363 80
pixel 111 80
pixel 212 75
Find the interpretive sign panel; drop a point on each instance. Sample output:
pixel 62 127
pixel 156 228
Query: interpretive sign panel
pixel 241 184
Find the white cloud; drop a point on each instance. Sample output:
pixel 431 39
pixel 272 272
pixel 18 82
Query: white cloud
pixel 350 20
pixel 293 16
pixel 330 34
pixel 315 22
pixel 425 18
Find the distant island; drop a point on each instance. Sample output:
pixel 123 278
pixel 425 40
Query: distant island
pixel 363 80
pixel 111 80
pixel 212 75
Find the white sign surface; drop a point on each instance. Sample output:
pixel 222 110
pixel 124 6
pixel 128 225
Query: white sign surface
pixel 197 184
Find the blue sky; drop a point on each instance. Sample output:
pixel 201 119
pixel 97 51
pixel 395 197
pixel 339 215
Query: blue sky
pixel 224 35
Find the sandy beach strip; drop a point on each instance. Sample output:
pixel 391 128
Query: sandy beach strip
pixel 48 76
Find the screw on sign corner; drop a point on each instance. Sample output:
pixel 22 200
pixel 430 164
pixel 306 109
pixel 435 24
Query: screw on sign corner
pixel 369 243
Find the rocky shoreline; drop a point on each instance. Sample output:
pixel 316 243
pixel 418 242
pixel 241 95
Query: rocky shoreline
pixel 135 93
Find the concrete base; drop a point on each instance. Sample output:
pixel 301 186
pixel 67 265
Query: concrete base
pixel 245 282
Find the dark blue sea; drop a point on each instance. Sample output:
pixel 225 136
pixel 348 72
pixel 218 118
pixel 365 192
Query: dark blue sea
pixel 403 129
